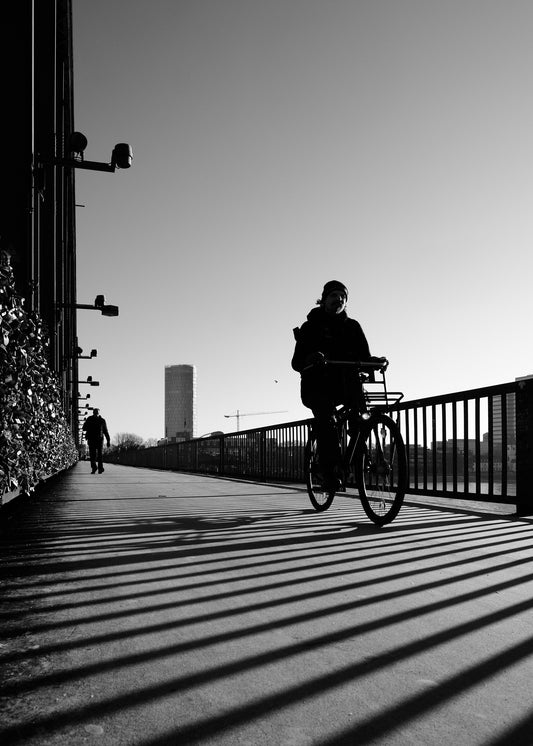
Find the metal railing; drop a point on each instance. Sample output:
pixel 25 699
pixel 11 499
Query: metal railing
pixel 267 453
pixel 473 445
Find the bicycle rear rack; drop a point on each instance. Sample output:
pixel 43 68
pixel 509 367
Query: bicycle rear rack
pixel 381 399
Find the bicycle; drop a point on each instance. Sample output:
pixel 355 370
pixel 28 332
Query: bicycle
pixel 374 461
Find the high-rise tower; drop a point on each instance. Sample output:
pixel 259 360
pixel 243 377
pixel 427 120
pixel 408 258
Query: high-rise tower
pixel 180 402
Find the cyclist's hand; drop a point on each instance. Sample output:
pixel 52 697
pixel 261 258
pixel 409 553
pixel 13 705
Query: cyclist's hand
pixel 315 358
pixel 383 360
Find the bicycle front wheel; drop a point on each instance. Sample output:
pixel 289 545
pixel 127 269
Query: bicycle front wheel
pixel 381 469
pixel 320 497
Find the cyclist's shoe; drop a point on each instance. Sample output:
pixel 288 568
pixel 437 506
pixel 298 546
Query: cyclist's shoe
pixel 332 480
pixel 332 484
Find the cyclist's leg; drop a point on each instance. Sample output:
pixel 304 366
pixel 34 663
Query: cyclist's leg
pixel 322 404
pixel 354 398
pixel 329 451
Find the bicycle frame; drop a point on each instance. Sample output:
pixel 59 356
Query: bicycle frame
pixel 373 457
pixel 372 400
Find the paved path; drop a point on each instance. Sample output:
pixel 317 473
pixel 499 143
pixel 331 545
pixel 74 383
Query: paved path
pixel 148 608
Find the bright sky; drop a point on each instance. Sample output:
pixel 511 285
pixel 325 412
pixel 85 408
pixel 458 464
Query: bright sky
pixel 281 144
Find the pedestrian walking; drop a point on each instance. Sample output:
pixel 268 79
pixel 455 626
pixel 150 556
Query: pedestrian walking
pixel 95 429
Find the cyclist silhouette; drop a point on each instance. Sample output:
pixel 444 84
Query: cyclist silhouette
pixel 329 334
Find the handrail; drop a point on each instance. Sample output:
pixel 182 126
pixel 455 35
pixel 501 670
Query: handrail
pixel 473 445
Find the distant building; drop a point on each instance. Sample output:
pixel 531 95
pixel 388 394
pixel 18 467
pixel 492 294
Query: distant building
pixel 510 416
pixel 504 414
pixel 180 402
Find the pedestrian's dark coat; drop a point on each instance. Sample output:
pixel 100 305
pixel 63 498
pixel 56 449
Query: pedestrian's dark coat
pixel 95 428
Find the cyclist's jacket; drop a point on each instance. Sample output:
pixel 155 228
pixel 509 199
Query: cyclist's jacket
pixel 337 337
pixel 95 428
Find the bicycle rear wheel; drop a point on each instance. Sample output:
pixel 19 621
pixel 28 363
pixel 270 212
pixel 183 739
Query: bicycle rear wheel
pixel 320 498
pixel 381 469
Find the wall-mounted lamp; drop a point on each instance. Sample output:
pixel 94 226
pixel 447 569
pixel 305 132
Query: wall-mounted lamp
pixel 98 305
pixel 79 350
pixel 90 381
pixel 83 397
pixel 121 156
pixel 105 308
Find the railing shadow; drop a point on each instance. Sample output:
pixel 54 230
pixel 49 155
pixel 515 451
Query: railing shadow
pixel 246 588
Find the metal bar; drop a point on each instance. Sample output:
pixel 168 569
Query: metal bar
pixel 505 441
pixel 415 412
pixel 477 430
pixel 490 446
pixel 466 485
pixel 459 396
pixel 88 165
pixel 425 446
pixel 524 447
pixel 454 445
pixel 444 449
pixel 407 443
pixel 434 444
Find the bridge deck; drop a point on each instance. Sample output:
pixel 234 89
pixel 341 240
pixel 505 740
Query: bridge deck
pixel 146 607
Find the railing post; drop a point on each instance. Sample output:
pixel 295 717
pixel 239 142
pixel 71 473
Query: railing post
pixel 222 448
pixel 262 455
pixel 524 447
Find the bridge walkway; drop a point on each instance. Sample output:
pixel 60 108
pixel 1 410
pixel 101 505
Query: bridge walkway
pixel 143 607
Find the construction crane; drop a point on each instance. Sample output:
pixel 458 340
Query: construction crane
pixel 238 415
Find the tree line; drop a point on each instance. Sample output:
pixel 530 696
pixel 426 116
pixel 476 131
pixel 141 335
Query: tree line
pixel 124 441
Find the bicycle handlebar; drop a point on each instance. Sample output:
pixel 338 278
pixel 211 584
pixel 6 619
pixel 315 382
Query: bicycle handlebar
pixel 379 364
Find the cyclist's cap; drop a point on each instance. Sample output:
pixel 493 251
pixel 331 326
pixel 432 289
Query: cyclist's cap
pixel 332 285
